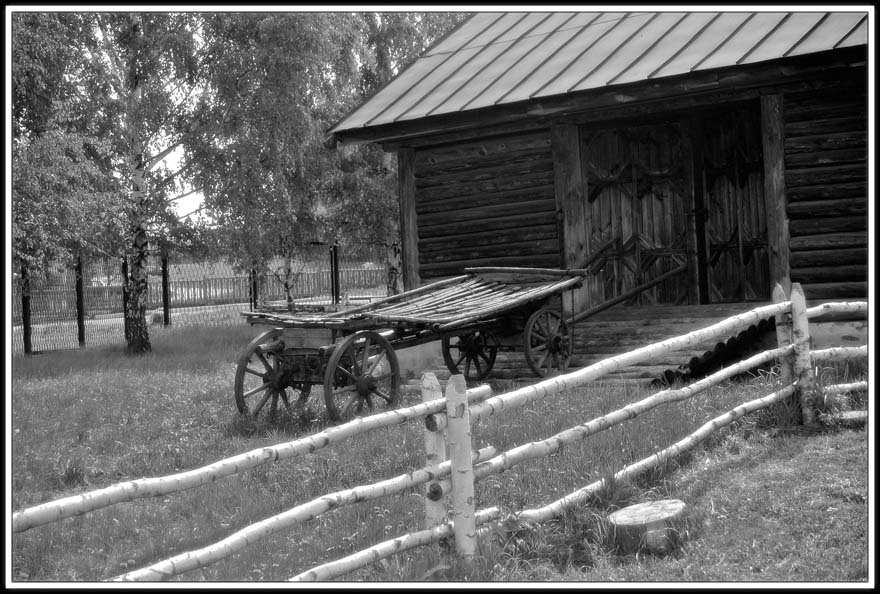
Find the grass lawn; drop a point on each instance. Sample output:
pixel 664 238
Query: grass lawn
pixel 767 502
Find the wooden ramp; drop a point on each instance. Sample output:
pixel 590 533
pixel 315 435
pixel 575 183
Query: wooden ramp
pixel 622 328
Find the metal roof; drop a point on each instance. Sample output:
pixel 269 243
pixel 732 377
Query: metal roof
pixel 496 58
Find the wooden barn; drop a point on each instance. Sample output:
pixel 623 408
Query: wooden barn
pixel 725 150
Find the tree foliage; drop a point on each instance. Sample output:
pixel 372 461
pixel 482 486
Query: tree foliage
pixel 115 114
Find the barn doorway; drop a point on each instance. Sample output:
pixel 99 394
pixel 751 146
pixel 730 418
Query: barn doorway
pixel 662 194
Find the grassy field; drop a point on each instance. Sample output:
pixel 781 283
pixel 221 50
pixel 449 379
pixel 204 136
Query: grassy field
pixel 767 501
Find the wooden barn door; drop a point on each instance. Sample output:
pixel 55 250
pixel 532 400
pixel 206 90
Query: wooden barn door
pixel 636 199
pixel 735 259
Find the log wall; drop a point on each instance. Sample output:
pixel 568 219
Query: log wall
pixel 826 178
pixel 488 202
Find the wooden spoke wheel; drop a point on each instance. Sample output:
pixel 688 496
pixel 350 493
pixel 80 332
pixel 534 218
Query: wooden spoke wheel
pixel 261 384
pixel 362 372
pixel 472 355
pixel 547 343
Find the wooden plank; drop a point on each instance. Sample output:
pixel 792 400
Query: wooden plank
pixel 825 158
pixel 489 226
pixel 828 241
pixel 409 231
pixel 480 171
pixel 835 290
pixel 487 253
pixel 815 225
pixel 482 213
pixel 571 204
pixel 828 191
pixel 825 142
pixel 828 274
pixel 695 239
pixel 469 240
pixel 773 143
pixel 497 147
pixel 425 206
pixel 804 259
pixel 537 260
pixel 511 181
pixel 829 208
pixel 810 176
pixel 826 126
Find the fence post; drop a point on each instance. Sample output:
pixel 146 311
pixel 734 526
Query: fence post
pixel 459 443
pixel 435 452
pixel 26 328
pixel 80 302
pixel 803 370
pixel 166 292
pixel 783 336
pixel 253 283
pixel 334 272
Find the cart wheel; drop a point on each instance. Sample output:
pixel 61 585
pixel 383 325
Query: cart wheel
pixel 259 380
pixel 362 370
pixel 547 343
pixel 476 351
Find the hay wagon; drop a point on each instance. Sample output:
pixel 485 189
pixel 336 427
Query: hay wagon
pixel 351 353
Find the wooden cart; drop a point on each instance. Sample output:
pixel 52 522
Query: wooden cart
pixel 352 352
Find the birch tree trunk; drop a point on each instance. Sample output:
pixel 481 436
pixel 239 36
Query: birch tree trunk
pixel 136 310
pixel 137 335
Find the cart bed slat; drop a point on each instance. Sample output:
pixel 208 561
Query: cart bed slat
pixel 443 305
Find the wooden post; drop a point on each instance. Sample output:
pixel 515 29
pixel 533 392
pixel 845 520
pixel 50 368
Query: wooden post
pixel 773 143
pixel 27 329
pixel 783 336
pixel 254 288
pixel 691 142
pixel 435 452
pixel 80 303
pixel 409 231
pixel 572 208
pixel 803 371
pixel 459 443
pixel 166 292
pixel 334 272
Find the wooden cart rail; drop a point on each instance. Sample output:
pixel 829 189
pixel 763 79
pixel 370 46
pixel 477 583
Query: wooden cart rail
pixel 443 306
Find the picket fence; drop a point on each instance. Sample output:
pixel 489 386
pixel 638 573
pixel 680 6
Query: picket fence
pixel 452 467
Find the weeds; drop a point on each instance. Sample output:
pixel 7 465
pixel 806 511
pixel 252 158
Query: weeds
pixel 87 419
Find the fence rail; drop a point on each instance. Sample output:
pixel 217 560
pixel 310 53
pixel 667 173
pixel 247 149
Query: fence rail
pixel 454 413
pixel 83 305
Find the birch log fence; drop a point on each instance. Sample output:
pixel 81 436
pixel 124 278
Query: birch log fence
pixel 447 422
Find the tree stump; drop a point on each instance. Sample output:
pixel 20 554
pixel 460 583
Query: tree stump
pixel 650 526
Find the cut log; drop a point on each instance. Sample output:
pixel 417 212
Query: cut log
pixel 652 526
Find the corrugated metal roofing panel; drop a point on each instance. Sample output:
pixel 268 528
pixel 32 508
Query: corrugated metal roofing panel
pixel 624 56
pixel 857 36
pixel 464 34
pixel 674 42
pixel 788 34
pixel 447 79
pixel 533 62
pixel 603 36
pixel 498 58
pixel 742 41
pixel 442 64
pixel 710 38
pixel 562 43
pixel 515 63
pixel 834 27
pixel 466 83
pixel 509 53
